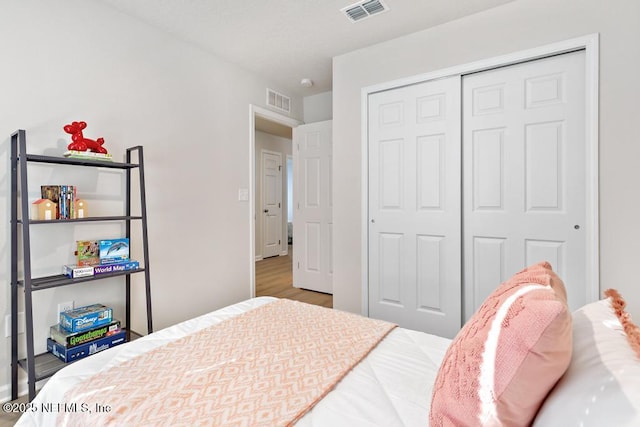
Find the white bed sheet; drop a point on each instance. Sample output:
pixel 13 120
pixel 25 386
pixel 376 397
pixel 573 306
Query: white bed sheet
pixel 390 387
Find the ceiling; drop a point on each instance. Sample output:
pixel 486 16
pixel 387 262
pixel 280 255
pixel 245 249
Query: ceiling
pixel 274 128
pixel 288 40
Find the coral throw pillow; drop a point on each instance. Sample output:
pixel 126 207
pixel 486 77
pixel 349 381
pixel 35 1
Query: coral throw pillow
pixel 630 329
pixel 503 362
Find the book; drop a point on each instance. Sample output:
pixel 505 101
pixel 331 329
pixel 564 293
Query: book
pixel 67 197
pixel 87 155
pixel 52 192
pixel 63 196
pixel 85 318
pixel 83 350
pixel 73 339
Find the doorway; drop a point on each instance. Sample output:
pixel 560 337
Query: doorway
pixel 270 133
pixel 273 276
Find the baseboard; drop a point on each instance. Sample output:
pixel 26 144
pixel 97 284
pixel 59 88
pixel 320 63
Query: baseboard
pixel 284 253
pixel 5 390
pixel 258 257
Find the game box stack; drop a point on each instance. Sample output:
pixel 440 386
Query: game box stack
pixel 95 257
pixel 84 331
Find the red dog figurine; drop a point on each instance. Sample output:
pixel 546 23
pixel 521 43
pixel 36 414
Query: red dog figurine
pixel 80 143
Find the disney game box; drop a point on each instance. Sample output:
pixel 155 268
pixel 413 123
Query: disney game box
pixel 85 318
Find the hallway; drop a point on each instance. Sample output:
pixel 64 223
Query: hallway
pixel 274 277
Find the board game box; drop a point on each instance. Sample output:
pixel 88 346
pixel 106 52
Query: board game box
pixel 75 271
pixel 73 339
pixel 87 252
pixel 85 318
pixel 112 268
pixel 114 250
pixel 83 350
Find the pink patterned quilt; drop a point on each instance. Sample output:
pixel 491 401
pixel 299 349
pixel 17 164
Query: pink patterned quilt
pixel 265 367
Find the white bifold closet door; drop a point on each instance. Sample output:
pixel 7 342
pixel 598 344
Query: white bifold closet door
pixel 471 179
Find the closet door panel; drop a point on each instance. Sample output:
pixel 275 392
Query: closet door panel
pixel 414 206
pixel 524 173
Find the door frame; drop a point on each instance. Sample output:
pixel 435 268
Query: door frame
pixel 588 43
pixel 256 111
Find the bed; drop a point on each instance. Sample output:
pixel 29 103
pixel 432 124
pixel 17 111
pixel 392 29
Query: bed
pixel 390 386
pixel 406 378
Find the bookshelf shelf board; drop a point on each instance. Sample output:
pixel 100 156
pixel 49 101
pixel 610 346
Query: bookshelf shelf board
pixel 37 158
pixel 57 280
pixel 88 219
pixel 46 365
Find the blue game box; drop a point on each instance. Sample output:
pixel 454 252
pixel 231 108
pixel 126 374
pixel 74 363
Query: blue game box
pixel 85 318
pixel 114 250
pixel 116 267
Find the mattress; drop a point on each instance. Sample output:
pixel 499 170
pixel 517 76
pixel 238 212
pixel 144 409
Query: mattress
pixel 390 387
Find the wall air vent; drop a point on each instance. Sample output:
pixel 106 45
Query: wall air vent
pixel 278 101
pixel 364 9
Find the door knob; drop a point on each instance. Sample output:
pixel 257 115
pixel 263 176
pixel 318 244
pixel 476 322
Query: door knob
pixel 266 211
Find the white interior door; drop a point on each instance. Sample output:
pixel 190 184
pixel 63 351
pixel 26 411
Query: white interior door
pixel 524 162
pixel 313 202
pixel 271 203
pixel 414 206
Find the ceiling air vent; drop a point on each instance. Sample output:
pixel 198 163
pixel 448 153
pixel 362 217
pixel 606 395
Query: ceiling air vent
pixel 278 100
pixel 364 9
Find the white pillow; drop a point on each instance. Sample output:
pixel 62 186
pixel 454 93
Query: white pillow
pixel 602 385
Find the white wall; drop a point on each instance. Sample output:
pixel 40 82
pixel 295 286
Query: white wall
pixel 265 141
pixel 519 25
pixel 133 85
pixel 318 108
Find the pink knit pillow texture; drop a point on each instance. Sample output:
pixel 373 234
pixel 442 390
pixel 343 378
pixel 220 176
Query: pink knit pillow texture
pixel 507 357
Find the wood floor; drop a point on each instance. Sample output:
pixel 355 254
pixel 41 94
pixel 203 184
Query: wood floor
pixel 8 419
pixel 274 277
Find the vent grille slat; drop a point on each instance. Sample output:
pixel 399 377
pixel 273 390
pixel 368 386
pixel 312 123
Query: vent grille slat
pixel 373 6
pixel 356 13
pixel 364 9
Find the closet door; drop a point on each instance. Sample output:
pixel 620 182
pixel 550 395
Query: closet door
pixel 414 206
pixel 524 174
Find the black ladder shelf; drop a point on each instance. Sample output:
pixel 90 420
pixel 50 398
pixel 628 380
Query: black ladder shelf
pixel 41 366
